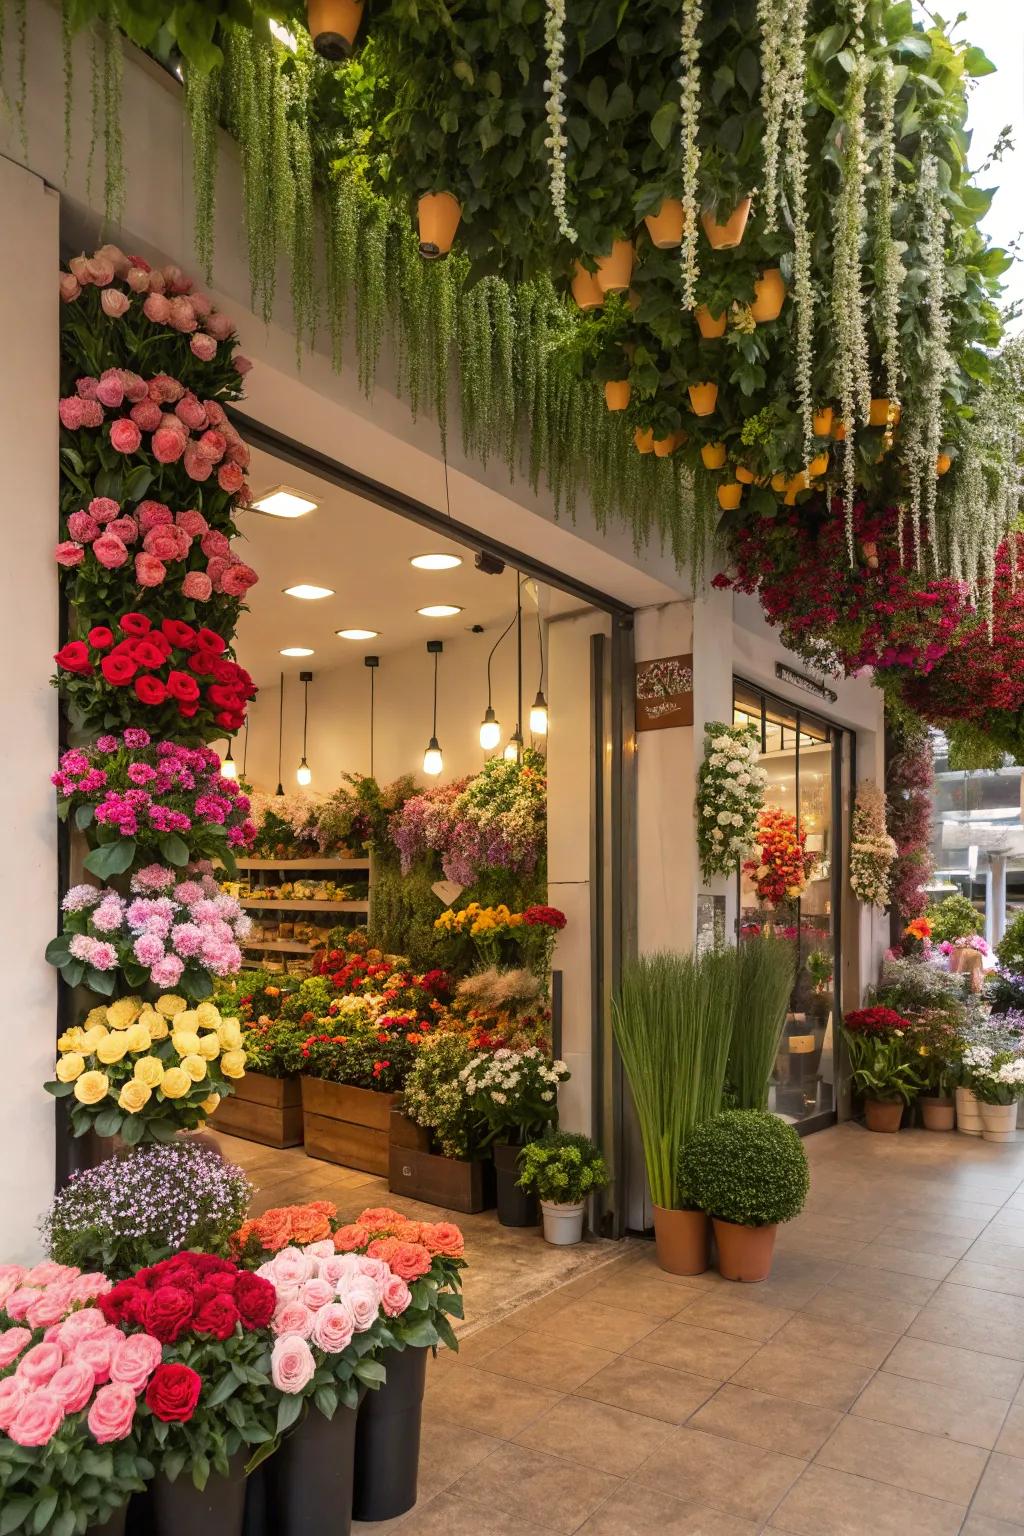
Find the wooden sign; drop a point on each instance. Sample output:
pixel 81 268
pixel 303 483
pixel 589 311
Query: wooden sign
pixel 447 891
pixel 664 693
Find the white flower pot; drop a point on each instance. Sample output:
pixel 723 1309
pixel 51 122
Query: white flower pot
pixel 968 1113
pixel 563 1224
pixel 999 1122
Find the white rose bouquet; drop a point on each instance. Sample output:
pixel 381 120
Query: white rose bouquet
pixel 730 796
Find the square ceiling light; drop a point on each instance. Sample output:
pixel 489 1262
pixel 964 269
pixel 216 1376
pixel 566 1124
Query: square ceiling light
pixel 283 501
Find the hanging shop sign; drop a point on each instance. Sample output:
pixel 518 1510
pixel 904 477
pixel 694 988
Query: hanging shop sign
pixel 801 680
pixel 664 693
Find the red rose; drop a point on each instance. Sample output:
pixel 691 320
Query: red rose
pixel 134 624
pixel 125 436
pixel 120 1301
pixel 182 687
pixel 168 1312
pixel 229 719
pixel 100 637
pixel 209 640
pixel 203 663
pixel 118 669
pixel 179 633
pixel 74 657
pixel 186 711
pixel 223 697
pixel 255 1299
pixel 173 1392
pixel 208 1264
pixel 150 690
pixel 147 654
pixel 216 1316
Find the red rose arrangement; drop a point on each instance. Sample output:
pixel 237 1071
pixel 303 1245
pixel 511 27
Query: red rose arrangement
pixel 170 678
pixel 780 873
pixel 874 1021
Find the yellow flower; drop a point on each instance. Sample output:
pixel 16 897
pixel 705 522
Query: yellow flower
pixel 150 1070
pixel 134 1096
pixel 124 1012
pixel 69 1067
pixel 232 1063
pixel 170 1005
pixel 210 1103
pixel 92 1037
pixel 95 1016
pixel 151 1018
pixel 209 1046
pixel 158 1026
pixel 230 1034
pixel 175 1084
pixel 111 1048
pixel 91 1087
pixel 195 1067
pixel 188 1021
pixel 185 1042
pixel 138 1038
pixel 71 1040
pixel 207 1016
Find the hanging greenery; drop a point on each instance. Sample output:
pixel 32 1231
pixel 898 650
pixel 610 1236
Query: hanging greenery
pixel 202 103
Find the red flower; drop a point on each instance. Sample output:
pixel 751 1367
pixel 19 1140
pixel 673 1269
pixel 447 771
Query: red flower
pixel 209 640
pixel 118 669
pixel 179 633
pixel 173 1393
pixel 100 637
pixel 182 687
pixel 74 657
pixel 150 690
pixel 168 1312
pixel 147 654
pixel 216 1316
pixel 134 624
pixel 255 1299
pixel 874 1021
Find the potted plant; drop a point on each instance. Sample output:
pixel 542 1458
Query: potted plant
pixel 516 1093
pixel 333 25
pixel 438 1150
pixel 438 215
pixel 266 1105
pixel 767 972
pixel 996 1077
pixel 748 1170
pixel 351 1082
pixel 883 1064
pixel 673 1020
pixel 934 1037
pixel 562 1170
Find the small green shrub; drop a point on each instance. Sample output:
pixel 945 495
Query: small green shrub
pixel 746 1166
pixel 1010 949
pixel 954 918
pixel 563 1168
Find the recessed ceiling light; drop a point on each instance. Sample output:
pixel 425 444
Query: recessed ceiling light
pixel 283 501
pixel 435 562
pixel 297 650
pixel 357 634
pixel 439 611
pixel 305 589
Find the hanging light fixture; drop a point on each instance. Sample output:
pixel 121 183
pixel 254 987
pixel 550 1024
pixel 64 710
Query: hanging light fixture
pixel 228 766
pixel 373 662
pixel 304 772
pixel 490 726
pixel 433 761
pixel 514 746
pixel 280 737
pixel 539 708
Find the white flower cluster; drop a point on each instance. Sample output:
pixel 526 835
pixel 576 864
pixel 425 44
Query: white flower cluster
pixel 872 850
pixel 556 142
pixel 503 1075
pixel 849 306
pixel 689 123
pixel 888 252
pixel 937 361
pixel 730 795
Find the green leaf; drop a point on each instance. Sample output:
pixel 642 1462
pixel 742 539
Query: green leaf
pixel 828 43
pixel 45 1506
pixel 15 1512
pixel 57 950
pixel 101 981
pixel 370 1371
pixel 108 1122
pixel 288 1410
pixel 326 1400
pixel 977 63
pixel 137 482
pixel 83 817
pixel 664 123
pixel 111 858
pixel 224 1389
pixel 133 1129
pixel 174 849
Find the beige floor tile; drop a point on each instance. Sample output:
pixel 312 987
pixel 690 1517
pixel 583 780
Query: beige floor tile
pixel 701 1351
pixel 538 1489
pixel 835 1341
pixel 636 1511
pixel 655 1390
pixel 447 1452
pixel 1011 1439
pixel 907 1260
pixel 950 1366
pixel 833 1305
pixel 929 1464
pixel 775 1423
pixel 887 1284
pixel 475 1349
pixel 960 1413
pixel 591 1322
pixel 738 1479
pixel 942 1325
pixel 787 1370
pixel 988 1277
pixel 652 1294
pixel 950 1240
pixel 830 1503
pixel 545 1360
pixel 474 1397
pixel 984 1525
pixel 450 1516
pixel 596 1435
pixel 729 1312
pixel 1001 1494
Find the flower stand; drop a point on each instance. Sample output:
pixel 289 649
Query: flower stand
pixel 308 1482
pixel 263 1109
pixel 455 1183
pixel 216 1510
pixel 346 1125
pixel 388 1439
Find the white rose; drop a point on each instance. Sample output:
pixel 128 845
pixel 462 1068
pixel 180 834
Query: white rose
pixel 723 818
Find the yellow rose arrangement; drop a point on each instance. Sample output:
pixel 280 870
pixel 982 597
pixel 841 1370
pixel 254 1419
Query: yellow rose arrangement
pixel 490 932
pixel 144 1070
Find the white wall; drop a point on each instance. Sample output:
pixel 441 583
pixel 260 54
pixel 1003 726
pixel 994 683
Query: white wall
pixel 29 388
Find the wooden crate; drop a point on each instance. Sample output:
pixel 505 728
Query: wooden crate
pixel 264 1109
pixel 346 1125
pixel 453 1183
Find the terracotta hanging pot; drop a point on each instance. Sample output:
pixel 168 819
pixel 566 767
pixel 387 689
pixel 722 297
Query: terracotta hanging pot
pixel 769 296
pixel 616 394
pixel 615 270
pixel 724 237
pixel 883 1115
pixel 666 226
pixel 823 421
pixel 730 495
pixel 682 1240
pixel 943 464
pixel 744 1253
pixel 710 326
pixel 586 290
pixel 839 431
pixel 663 446
pixel 643 439
pixel 333 25
pixel 779 480
pixel 744 475
pixel 878 416
pixel 712 455
pixel 818 465
pixel 794 486
pixel 703 398
pixel 438 214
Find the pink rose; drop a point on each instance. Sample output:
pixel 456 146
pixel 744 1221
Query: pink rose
pixel 212 445
pixel 125 528
pixel 175 279
pixel 71 410
pixel 157 282
pixel 377 1270
pixel 291 1364
pixel 135 1359
pixel 110 551
pixel 88 1286
pixel 156 308
pixel 158 542
pixel 39 1363
pixel 238 453
pixel 69 554
pixel 135 387
pixel 362 1293
pixel 290 1267
pixel 83 527
pixel 229 478
pixel 293 1317
pixel 92 413
pixel 183 317
pixel 114 303
pixel 168 445
pixel 395 1296
pixel 37 1420
pixel 149 571
pixel 80 267
pixel 112 1412
pixel 164 389
pixel 137 280
pixel 321 1250
pixel 70 287
pixel 237 580
pixel 215 543
pixel 109 389
pixel 49 1272
pixel 125 436
pixel 243 365
pixel 191 412
pixel 86 387
pixel 19 1301
pixel 215 413
pixel 51 1305
pixel 197 586
pixel 316 1293
pixel 116 257
pixel 146 414
pixel 12 1342
pixel 220 326
pixel 193 522
pixel 197 466
pixel 153 514
pixel 204 346
pixel 12 1394
pixel 73 1385
pixel 201 304
pixel 333 1327
pixel 85 1324
pixel 95 1352
pixel 333 1268
pixel 103 508
pixel 101 270
pixel 11 1275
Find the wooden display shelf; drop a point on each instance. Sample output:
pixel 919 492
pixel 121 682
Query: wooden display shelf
pixel 305 906
pixel 285 946
pixel 325 863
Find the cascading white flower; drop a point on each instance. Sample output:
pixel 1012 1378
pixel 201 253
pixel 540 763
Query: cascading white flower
pixel 556 142
pixel 689 123
pixel 872 850
pixel 849 310
pixel 888 252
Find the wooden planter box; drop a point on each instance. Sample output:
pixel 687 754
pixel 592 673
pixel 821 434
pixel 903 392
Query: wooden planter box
pixel 453 1183
pixel 265 1109
pixel 346 1125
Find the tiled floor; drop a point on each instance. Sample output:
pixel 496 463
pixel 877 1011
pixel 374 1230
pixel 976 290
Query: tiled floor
pixel 871 1387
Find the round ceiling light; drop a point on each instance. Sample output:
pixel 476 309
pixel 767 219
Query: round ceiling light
pixel 309 591
pixel 435 562
pixel 439 611
pixel 297 650
pixel 357 634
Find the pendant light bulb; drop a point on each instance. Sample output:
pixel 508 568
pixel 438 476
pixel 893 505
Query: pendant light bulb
pixel 433 761
pixel 514 747
pixel 228 767
pixel 539 715
pixel 490 730
pixel 304 774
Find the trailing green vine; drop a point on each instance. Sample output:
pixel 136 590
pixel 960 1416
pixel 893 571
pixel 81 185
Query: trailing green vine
pixel 202 104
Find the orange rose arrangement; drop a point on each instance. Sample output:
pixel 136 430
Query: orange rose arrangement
pixel 780 871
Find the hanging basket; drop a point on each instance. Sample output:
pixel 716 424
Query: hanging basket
pixel 438 214
pixel 818 466
pixel 586 289
pixel 822 421
pixel 615 270
pixel 703 398
pixel 616 394
pixel 333 25
pixel 730 495
pixel 769 296
pixel 879 414
pixel 725 237
pixel 666 226
pixel 712 455
pixel 643 439
pixel 664 446
pixel 710 326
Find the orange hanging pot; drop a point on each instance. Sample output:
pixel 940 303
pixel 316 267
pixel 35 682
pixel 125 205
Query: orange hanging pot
pixel 729 496
pixel 438 215
pixel 818 466
pixel 703 398
pixel 643 439
pixel 822 421
pixel 585 289
pixel 744 475
pixel 769 296
pixel 615 270
pixel 779 480
pixel 666 226
pixel 712 455
pixel 710 326
pixel 663 446
pixel 943 464
pixel 333 25
pixel 724 237
pixel 616 394
pixel 839 431
pixel 879 414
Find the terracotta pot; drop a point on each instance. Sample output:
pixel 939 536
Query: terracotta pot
pixel 682 1240
pixel 744 1253
pixel 729 496
pixel 878 416
pixel 616 394
pixel 769 296
pixel 666 226
pixel 709 325
pixel 744 475
pixel 586 289
pixel 438 214
pixel 968 1113
pixel 712 455
pixel 663 446
pixel 779 480
pixel 333 25
pixel 839 431
pixel 943 464
pixel 999 1122
pixel 936 1114
pixel 823 421
pixel 883 1114
pixel 818 465
pixel 703 398
pixel 643 439
pixel 615 270
pixel 723 237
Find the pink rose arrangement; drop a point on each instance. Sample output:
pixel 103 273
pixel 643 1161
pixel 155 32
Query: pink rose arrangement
pixel 141 800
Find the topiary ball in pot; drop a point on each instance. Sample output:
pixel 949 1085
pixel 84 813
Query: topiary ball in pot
pixel 748 1170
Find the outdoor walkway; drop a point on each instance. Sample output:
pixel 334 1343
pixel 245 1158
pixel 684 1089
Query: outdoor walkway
pixel 872 1387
